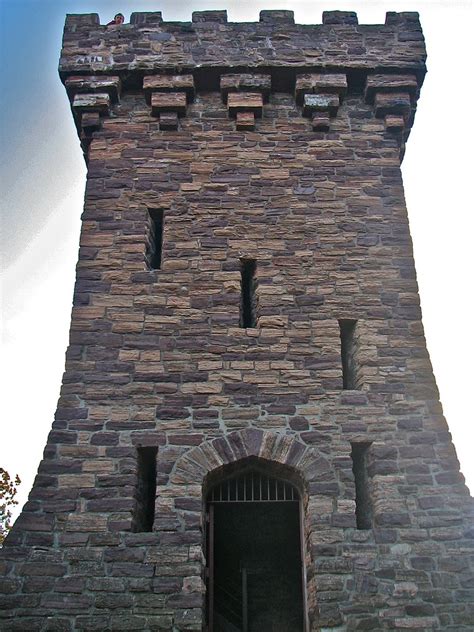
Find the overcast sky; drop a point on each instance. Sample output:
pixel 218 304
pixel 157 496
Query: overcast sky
pixel 43 177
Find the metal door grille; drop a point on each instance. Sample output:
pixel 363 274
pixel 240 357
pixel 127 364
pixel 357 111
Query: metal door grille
pixel 253 487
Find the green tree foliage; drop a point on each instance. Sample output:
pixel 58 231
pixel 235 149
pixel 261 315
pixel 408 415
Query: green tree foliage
pixel 8 490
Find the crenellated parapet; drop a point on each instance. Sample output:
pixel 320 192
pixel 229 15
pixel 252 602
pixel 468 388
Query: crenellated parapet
pixel 171 62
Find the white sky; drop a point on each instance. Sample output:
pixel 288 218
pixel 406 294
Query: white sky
pixel 43 177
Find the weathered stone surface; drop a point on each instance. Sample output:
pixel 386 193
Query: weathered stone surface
pixel 168 120
pixel 210 16
pixel 318 83
pixel 390 83
pixel 168 83
pixel 245 102
pixel 320 103
pixel 158 361
pixel 339 17
pixel 146 18
pixel 397 103
pixel 97 102
pixel 90 121
pixel 277 16
pixel 397 45
pixel 245 120
pixel 94 83
pixel 394 123
pixel 320 122
pixel 246 82
pixel 168 102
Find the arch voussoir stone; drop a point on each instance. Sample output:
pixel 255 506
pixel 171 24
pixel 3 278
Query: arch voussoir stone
pixel 295 454
pixel 238 445
pixel 268 448
pixel 316 467
pixel 223 449
pixel 271 446
pixel 252 439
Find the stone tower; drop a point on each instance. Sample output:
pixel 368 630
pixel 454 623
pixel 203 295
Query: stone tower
pixel 248 435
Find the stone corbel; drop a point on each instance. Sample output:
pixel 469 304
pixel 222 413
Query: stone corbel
pixel 320 95
pixel 245 95
pixel 394 100
pixel 91 98
pixel 168 96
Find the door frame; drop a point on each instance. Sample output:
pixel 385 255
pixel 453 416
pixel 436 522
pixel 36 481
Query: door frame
pixel 209 571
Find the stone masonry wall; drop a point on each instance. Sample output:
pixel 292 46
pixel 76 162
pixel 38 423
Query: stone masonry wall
pixel 304 177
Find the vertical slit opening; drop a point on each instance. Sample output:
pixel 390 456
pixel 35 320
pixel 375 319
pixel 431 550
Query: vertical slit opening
pixel 348 350
pixel 155 238
pixel 248 302
pixel 363 501
pixel 146 489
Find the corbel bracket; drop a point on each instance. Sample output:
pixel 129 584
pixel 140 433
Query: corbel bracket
pixel 320 95
pixel 91 98
pixel 394 99
pixel 168 96
pixel 245 95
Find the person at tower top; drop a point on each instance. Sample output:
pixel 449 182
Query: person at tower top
pixel 118 19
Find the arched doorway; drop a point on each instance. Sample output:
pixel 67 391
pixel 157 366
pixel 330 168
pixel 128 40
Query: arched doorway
pixel 255 572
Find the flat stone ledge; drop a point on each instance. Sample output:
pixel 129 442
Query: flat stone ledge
pixel 98 102
pixel 245 102
pixel 246 82
pixel 334 83
pixel 320 103
pixel 390 83
pixel 168 83
pixel 168 102
pixel 81 84
pixel 392 103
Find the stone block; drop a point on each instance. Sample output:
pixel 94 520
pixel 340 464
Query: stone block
pixel 272 16
pixel 90 121
pixel 245 121
pixel 77 84
pixel 394 123
pixel 168 83
pixel 320 103
pixel 75 20
pixel 246 82
pixel 393 18
pixel 392 103
pixel 168 102
pixel 168 120
pixel 320 122
pixel 209 16
pixel 91 102
pixel 309 83
pixel 340 17
pixel 245 102
pixel 143 18
pixel 390 83
pixel 86 522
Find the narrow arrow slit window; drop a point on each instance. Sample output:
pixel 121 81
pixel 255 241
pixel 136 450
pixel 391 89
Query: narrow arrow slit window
pixel 155 238
pixel 248 300
pixel 362 485
pixel 347 330
pixel 146 489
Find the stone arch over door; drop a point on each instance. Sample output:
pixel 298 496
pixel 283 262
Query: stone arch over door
pixel 305 467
